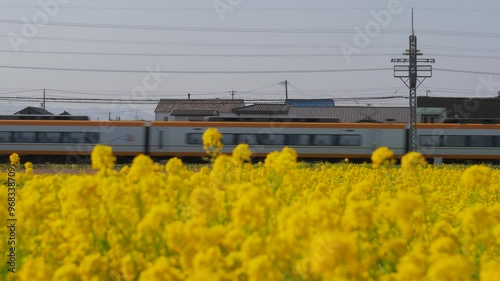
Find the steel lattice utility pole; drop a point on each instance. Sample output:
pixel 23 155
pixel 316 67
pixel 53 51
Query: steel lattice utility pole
pixel 410 75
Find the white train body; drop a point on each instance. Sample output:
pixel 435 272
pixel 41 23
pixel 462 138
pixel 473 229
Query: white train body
pixel 183 139
pixel 309 140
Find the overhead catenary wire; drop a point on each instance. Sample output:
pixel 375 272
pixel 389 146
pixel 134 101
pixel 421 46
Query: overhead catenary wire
pixel 255 30
pixel 194 71
pixel 229 55
pixel 246 45
pixel 150 101
pixel 232 71
pixel 255 9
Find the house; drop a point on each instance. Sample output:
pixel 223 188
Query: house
pixel 346 114
pixel 31 110
pixel 459 108
pixel 195 109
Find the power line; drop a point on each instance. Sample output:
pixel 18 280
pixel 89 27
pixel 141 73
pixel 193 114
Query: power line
pixel 230 55
pixel 190 44
pixel 201 29
pixel 468 71
pixel 243 45
pixel 183 54
pixel 190 9
pixel 256 30
pixel 148 101
pixel 232 71
pixel 194 71
pixel 246 9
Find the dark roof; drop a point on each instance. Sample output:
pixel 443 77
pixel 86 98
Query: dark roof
pixel 353 114
pixel 65 113
pixel 311 102
pixel 263 108
pixel 464 107
pixel 167 105
pixel 33 110
pixel 194 112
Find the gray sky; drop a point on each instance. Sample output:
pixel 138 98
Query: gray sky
pixel 246 36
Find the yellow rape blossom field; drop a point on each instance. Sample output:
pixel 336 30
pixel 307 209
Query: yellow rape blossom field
pixel 276 220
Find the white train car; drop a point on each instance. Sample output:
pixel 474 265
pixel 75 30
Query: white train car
pixel 459 141
pixel 310 140
pixel 74 139
pixel 69 138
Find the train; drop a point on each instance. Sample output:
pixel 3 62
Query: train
pixel 73 140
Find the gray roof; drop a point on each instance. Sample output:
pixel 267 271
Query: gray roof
pixel 222 105
pixel 353 114
pixel 263 108
pixel 33 110
pixel 464 107
pixel 194 112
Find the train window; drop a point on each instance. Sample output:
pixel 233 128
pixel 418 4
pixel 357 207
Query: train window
pixel 24 137
pixel 428 140
pixel 497 143
pixel 247 138
pixel 481 141
pixel 194 139
pixel 349 140
pixel 455 141
pixel 73 137
pixel 49 137
pixel 4 136
pixel 299 139
pixel 93 137
pixel 325 140
pixel 271 139
pixel 228 139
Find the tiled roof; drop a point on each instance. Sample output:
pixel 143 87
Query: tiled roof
pixel 263 108
pixel 464 107
pixel 311 102
pixel 33 110
pixel 167 105
pixel 194 112
pixel 353 114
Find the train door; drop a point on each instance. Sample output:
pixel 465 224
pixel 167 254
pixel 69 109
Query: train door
pixel 162 139
pixel 373 138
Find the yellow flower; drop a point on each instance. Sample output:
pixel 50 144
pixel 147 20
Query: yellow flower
pixel 102 157
pixel 476 175
pixel 175 167
pixel 241 153
pixel 29 169
pixel 281 162
pixel 14 159
pixel 412 160
pixel 450 268
pixel 162 271
pixel 490 270
pixel 28 165
pixel 141 166
pixel 212 141
pixel 382 156
pixel 125 169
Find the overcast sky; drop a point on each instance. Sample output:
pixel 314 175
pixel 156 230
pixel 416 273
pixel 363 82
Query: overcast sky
pixel 240 36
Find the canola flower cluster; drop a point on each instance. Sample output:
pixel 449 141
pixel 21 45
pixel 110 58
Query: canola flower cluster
pixel 277 220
